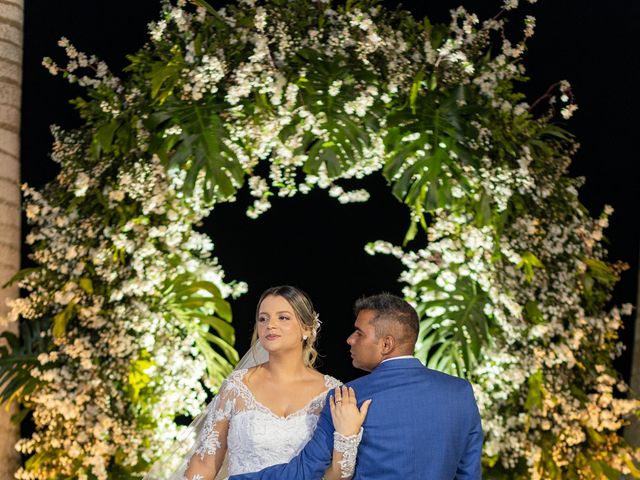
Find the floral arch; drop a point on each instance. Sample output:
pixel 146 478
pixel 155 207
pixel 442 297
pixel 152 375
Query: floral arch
pixel 126 323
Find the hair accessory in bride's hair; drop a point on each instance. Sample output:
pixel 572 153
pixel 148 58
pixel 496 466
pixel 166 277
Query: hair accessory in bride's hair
pixel 316 325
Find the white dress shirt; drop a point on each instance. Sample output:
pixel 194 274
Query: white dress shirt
pixel 397 358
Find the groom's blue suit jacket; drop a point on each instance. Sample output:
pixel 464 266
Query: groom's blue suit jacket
pixel 421 425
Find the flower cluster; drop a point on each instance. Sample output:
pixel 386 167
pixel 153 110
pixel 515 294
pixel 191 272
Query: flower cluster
pixel 299 104
pixel 546 388
pixel 116 344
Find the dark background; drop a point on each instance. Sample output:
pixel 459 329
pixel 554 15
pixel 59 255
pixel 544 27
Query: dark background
pixel 314 242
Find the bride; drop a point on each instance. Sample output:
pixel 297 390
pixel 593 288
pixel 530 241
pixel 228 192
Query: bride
pixel 264 415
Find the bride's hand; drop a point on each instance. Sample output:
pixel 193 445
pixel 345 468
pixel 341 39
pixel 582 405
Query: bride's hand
pixel 347 417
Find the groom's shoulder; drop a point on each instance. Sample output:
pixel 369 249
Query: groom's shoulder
pixel 432 383
pixel 446 380
pixel 359 381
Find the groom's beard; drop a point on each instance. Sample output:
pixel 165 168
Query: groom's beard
pixel 365 366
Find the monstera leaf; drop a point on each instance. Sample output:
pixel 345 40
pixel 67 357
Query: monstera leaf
pixel 19 355
pixel 425 149
pixel 346 135
pixel 453 330
pixel 203 311
pixel 202 146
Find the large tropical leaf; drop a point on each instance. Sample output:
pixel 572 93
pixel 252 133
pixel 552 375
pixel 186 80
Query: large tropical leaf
pixel 19 355
pixel 425 149
pixel 202 310
pixel 201 147
pixel 453 330
pixel 346 136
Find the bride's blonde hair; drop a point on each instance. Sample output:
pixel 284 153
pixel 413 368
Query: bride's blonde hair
pixel 305 314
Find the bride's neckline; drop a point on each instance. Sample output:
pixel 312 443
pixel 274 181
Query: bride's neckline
pixel 240 377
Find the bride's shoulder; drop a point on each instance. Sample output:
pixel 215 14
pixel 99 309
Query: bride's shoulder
pixel 240 373
pixel 331 382
pixel 327 380
pixel 245 376
pixel 320 382
pixel 234 379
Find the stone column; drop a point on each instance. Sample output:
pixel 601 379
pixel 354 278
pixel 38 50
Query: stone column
pixel 11 42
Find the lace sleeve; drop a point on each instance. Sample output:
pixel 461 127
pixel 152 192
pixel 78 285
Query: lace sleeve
pixel 348 447
pixel 345 447
pixel 211 445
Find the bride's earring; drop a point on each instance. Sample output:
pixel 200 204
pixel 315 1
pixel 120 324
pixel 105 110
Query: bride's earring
pixel 304 337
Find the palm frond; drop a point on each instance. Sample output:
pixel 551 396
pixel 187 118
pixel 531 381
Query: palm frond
pixel 200 306
pixel 19 355
pixel 454 329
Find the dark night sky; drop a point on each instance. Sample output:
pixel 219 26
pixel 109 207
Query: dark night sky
pixel 313 241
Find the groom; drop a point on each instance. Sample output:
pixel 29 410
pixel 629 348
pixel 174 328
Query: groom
pixel 421 425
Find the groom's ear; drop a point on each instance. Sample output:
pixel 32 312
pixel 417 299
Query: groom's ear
pixel 388 344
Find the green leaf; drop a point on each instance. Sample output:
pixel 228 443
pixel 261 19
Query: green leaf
pixel 347 135
pixel 18 355
pixel 329 157
pixel 600 271
pixel 206 6
pixel 21 275
pixel 20 415
pixel 87 285
pixel 535 393
pixel 415 88
pixel 579 394
pixel 490 461
pixel 411 233
pixel 61 320
pixel 452 340
pixel 186 297
pixel 613 474
pixel 528 261
pixel 596 467
pixel 222 327
pixel 595 437
pixel 200 148
pixel 533 312
pixel 37 460
pixel 103 138
pixel 164 74
pixel 138 377
pixel 222 308
pixel 632 467
pixel 227 349
pixel 218 366
pixel 483 210
pixel 191 301
pixel 413 167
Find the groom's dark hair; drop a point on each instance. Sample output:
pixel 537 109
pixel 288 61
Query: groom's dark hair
pixel 390 307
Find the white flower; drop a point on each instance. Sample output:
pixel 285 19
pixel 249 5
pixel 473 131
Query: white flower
pixel 568 111
pixel 116 195
pixel 82 183
pixel 334 88
pixel 260 20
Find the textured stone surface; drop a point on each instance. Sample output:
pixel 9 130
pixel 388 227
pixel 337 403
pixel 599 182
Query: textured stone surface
pixel 11 38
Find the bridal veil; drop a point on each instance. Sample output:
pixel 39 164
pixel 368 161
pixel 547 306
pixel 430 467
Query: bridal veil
pixel 173 463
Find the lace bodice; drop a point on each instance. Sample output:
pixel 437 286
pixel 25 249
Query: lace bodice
pixel 259 438
pixel 254 436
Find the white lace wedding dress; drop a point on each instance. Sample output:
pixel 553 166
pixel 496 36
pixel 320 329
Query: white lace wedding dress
pixel 256 437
